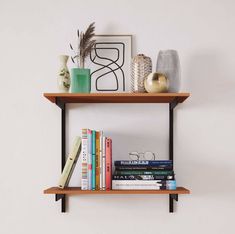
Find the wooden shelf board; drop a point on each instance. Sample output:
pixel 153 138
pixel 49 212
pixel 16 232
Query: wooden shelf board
pixel 117 97
pixel 78 191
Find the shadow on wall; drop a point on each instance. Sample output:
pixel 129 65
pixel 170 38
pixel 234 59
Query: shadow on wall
pixel 207 78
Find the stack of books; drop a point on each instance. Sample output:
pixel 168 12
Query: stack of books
pixel 143 175
pixel 96 161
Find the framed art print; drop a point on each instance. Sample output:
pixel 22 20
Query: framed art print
pixel 110 63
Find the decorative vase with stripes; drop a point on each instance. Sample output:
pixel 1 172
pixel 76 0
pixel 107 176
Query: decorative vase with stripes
pixel 141 67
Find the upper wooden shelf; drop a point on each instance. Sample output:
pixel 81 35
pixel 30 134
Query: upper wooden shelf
pixel 78 191
pixel 117 97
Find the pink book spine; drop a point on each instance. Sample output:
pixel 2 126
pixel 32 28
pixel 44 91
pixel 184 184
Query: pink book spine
pixel 108 149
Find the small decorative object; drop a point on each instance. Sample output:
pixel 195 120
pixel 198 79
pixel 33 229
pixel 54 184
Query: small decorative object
pixel 110 62
pixel 156 83
pixel 137 156
pixel 141 66
pixel 64 77
pixel 168 63
pixel 81 78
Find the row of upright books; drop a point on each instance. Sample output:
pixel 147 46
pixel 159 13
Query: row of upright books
pixel 143 175
pixel 96 160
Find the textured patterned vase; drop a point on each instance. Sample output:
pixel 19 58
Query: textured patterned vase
pixel 168 63
pixel 64 76
pixel 141 67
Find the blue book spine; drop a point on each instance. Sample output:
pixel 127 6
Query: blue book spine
pixel 93 160
pixel 151 163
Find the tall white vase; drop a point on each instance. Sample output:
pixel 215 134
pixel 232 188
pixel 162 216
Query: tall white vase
pixel 64 76
pixel 168 63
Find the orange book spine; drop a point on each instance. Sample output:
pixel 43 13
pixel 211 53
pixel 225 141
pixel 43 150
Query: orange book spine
pixel 97 161
pixel 108 149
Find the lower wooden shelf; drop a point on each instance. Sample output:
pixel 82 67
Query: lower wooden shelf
pixel 78 191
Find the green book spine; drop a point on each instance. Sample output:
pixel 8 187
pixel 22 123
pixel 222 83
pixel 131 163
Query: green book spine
pixel 93 159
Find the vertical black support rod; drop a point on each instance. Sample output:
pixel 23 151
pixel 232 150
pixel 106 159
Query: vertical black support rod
pixel 171 204
pixel 63 149
pixel 171 146
pixel 171 123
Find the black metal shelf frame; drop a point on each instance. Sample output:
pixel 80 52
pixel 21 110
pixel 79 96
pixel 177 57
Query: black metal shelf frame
pixel 62 106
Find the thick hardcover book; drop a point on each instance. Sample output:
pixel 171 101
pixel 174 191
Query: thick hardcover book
pixel 70 163
pixel 133 167
pixel 143 185
pixel 104 163
pixel 101 160
pixel 93 160
pixel 139 172
pixel 143 177
pixel 89 139
pixel 84 183
pixel 108 164
pixel 97 161
pixel 143 163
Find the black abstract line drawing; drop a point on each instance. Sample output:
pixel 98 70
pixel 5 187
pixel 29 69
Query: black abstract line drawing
pixel 102 61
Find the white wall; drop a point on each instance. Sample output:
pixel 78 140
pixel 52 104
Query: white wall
pixel 34 33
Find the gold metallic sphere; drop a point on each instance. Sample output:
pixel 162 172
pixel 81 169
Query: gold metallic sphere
pixel 156 83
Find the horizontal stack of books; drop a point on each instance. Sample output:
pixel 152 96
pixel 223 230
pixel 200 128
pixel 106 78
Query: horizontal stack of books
pixel 96 161
pixel 143 175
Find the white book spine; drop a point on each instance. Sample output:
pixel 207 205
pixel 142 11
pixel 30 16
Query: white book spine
pixel 141 185
pixel 104 163
pixel 84 184
pixel 101 160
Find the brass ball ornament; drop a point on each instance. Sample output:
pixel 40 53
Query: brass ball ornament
pixel 156 83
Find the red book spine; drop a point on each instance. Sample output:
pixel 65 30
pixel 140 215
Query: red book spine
pixel 108 149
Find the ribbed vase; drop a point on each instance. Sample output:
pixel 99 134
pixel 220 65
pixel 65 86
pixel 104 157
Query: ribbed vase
pixel 168 63
pixel 141 67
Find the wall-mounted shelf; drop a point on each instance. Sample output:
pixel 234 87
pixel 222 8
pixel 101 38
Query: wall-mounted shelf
pixel 78 191
pixel 117 97
pixel 61 99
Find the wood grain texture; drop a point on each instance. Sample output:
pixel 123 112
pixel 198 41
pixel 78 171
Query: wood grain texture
pixel 78 191
pixel 117 97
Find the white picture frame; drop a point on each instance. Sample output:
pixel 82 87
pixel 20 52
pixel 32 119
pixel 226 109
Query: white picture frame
pixel 110 63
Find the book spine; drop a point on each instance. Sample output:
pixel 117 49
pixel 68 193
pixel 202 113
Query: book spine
pixel 143 177
pixel 108 164
pixel 138 172
pixel 97 161
pixel 89 137
pixel 104 163
pixel 144 185
pixel 93 160
pixel 70 163
pixel 160 167
pixel 101 160
pixel 84 183
pixel 143 162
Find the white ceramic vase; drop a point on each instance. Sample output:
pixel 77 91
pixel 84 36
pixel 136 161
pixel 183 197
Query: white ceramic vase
pixel 168 63
pixel 63 76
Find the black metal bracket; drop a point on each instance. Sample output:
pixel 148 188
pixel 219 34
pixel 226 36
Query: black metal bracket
pixel 60 103
pixel 172 197
pixel 172 105
pixel 63 149
pixel 59 196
